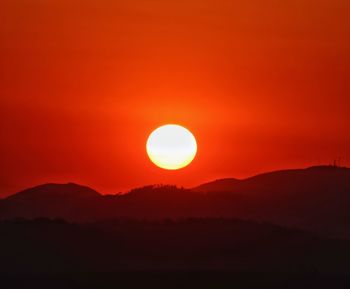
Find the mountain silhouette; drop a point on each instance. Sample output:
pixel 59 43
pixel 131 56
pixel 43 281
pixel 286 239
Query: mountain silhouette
pixel 317 178
pixel 315 199
pixel 69 201
pixel 55 191
pixel 230 233
pixel 221 185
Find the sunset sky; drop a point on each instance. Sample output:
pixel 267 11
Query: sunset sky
pixel 262 85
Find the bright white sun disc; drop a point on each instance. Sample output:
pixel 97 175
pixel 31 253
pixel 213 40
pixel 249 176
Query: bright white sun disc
pixel 171 147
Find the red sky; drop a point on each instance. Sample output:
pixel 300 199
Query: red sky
pixel 263 85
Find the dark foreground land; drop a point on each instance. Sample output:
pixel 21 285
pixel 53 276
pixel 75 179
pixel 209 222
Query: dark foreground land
pixel 177 280
pixel 190 253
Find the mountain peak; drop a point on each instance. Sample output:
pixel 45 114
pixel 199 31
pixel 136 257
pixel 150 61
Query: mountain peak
pixel 320 177
pixel 52 190
pixel 328 168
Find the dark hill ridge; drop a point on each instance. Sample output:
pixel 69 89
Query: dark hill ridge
pixel 220 185
pixel 69 190
pixel 316 177
pixel 315 199
pixel 69 201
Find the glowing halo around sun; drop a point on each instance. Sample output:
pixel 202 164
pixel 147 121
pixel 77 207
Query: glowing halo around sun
pixel 171 147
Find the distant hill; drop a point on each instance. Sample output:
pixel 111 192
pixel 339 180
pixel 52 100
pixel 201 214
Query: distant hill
pixel 314 178
pixel 315 199
pixel 69 201
pixel 221 185
pixel 55 191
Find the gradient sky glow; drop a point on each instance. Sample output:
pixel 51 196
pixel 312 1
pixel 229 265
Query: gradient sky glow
pixel 263 85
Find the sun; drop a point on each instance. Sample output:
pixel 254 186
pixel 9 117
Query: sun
pixel 171 147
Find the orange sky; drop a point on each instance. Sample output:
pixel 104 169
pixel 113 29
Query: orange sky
pixel 263 85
